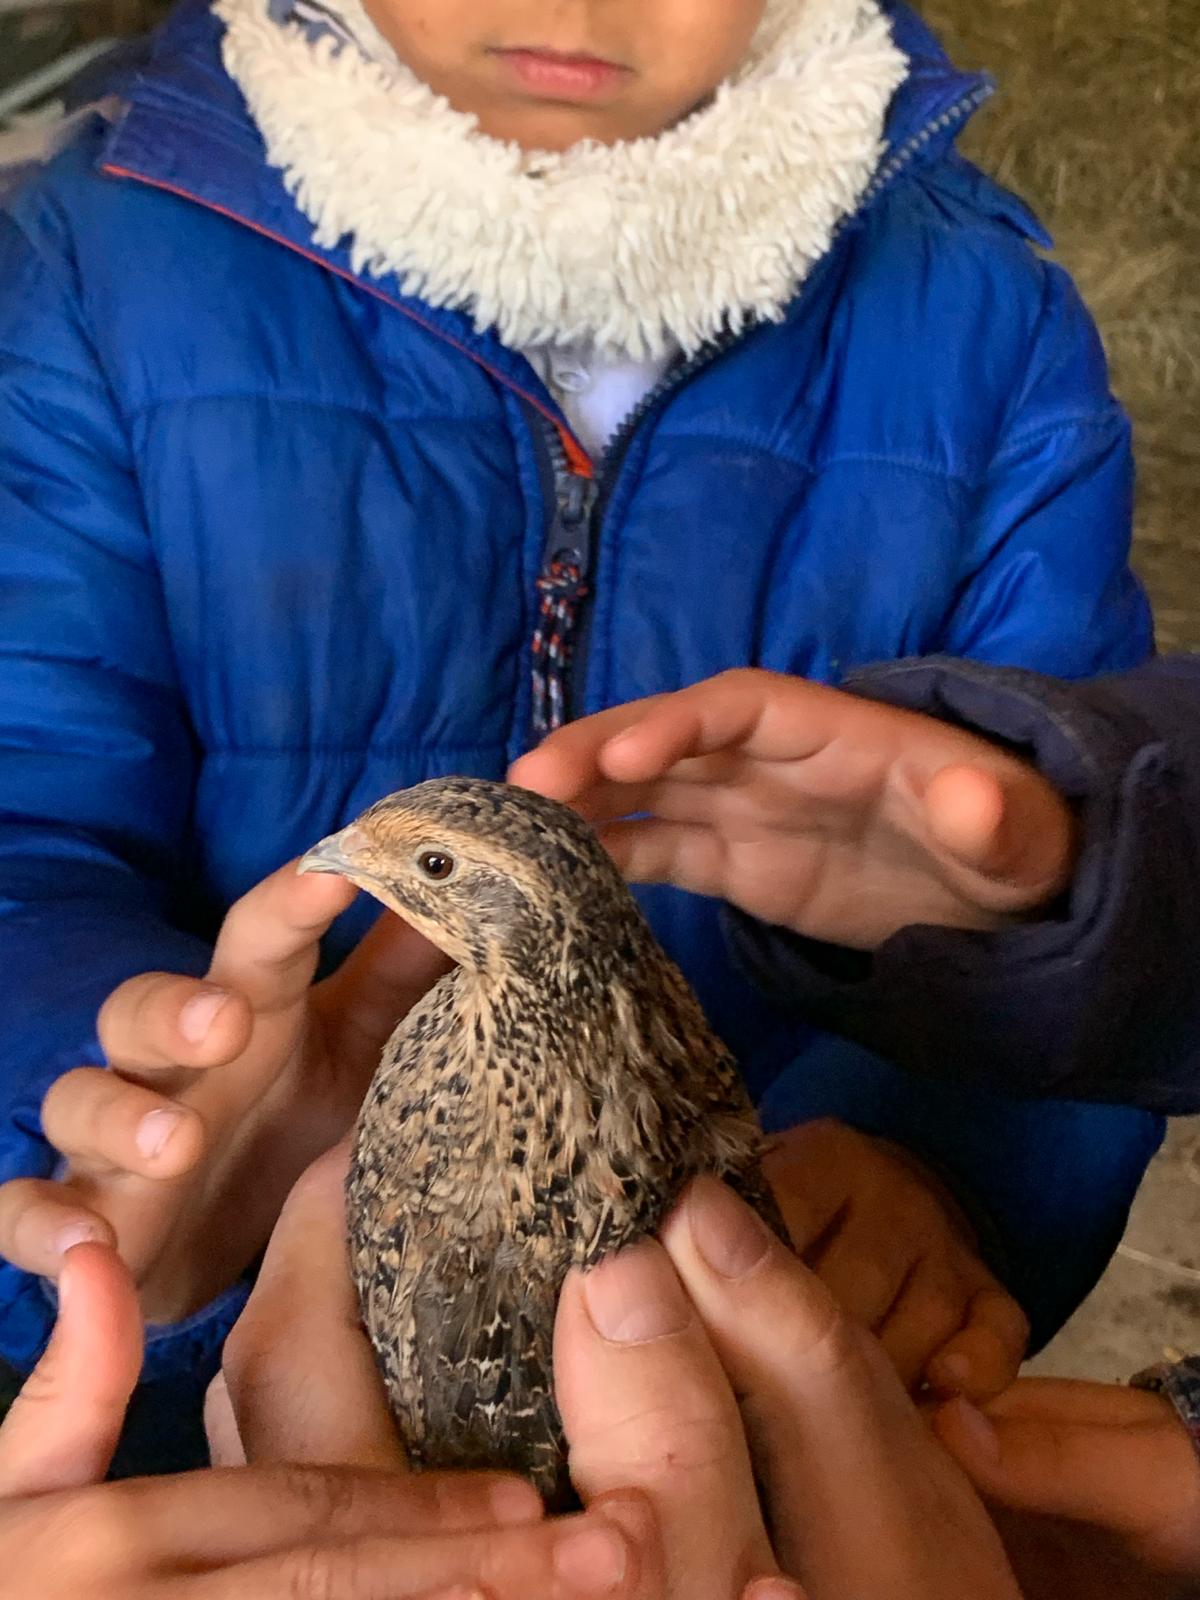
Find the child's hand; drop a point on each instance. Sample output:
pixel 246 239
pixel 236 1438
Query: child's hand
pixel 811 808
pixel 277 1531
pixel 735 1376
pixel 889 1242
pixel 220 1093
pixel 62 1429
pixel 299 1381
pixel 1096 1488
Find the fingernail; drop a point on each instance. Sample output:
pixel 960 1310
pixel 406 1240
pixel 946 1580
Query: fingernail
pixel 981 1435
pixel 78 1233
pixel 591 1560
pixel 950 1373
pixel 635 1296
pixel 155 1131
pixel 514 1501
pixel 773 1589
pixel 726 1232
pixel 196 1017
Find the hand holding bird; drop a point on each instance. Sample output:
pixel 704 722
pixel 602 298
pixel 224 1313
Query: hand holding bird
pixel 894 1248
pixel 663 1358
pixel 692 1376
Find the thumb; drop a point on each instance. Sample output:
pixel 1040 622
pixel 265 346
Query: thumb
pixel 1014 829
pixel 301 1381
pixel 1118 1463
pixel 966 813
pixel 1053 1466
pixel 63 1426
pixel 646 1407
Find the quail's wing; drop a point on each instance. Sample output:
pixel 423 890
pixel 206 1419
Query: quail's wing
pixel 719 1125
pixel 483 1329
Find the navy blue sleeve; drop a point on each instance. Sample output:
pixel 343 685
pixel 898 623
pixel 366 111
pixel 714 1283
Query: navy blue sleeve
pixel 1098 1001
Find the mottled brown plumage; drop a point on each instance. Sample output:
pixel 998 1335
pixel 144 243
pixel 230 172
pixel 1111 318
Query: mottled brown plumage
pixel 541 1106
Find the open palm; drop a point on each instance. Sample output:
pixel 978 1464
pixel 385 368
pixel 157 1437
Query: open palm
pixel 812 808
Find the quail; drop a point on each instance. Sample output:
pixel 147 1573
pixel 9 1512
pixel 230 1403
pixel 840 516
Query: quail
pixel 543 1105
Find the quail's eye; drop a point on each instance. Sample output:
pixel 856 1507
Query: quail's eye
pixel 436 864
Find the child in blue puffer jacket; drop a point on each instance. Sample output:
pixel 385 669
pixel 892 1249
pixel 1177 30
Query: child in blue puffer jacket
pixel 380 389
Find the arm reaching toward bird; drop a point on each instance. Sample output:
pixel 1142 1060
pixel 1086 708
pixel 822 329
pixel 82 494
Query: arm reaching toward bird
pixel 846 820
pixel 218 1094
pixel 326 1507
pixel 811 808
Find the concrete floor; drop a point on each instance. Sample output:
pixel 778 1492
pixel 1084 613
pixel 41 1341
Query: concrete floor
pixel 1147 1306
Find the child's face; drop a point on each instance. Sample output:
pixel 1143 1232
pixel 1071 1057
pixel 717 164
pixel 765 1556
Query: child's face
pixel 549 73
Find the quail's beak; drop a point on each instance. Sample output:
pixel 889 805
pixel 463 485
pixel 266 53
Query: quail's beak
pixel 340 852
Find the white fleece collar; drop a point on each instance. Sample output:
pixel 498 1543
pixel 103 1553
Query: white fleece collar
pixel 632 248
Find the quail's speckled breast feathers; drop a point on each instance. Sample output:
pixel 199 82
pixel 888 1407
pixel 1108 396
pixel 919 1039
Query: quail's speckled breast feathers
pixel 541 1106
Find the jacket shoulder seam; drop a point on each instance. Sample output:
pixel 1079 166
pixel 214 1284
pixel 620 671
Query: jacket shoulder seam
pixel 814 464
pixel 928 469
pixel 1078 422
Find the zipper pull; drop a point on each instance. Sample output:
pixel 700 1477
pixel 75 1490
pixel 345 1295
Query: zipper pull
pixel 570 538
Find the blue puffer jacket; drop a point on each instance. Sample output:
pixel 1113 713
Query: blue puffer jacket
pixel 269 536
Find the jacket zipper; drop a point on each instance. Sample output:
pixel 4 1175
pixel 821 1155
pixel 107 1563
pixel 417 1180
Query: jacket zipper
pixel 562 589
pixel 564 582
pixel 561 635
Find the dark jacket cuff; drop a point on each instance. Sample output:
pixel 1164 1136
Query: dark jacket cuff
pixel 1099 1001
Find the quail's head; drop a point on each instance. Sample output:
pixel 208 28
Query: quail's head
pixel 491 874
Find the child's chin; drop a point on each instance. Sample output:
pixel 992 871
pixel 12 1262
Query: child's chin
pixel 553 128
pixel 556 125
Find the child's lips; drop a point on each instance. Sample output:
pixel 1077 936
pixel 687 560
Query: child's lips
pixel 555 75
